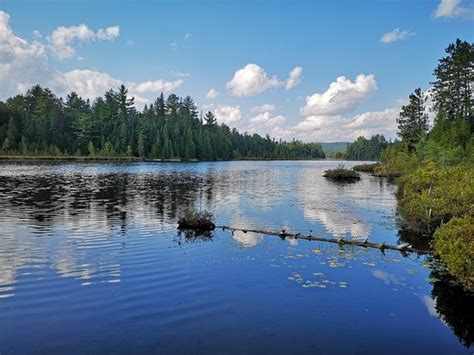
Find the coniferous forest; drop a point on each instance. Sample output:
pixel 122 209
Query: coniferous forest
pixel 41 123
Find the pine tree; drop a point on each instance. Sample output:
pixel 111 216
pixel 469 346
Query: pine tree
pixel 210 118
pixel 413 120
pixel 141 145
pixel 190 147
pixel 452 90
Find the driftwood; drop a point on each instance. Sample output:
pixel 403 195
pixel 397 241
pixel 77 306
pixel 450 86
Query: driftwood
pixel 403 248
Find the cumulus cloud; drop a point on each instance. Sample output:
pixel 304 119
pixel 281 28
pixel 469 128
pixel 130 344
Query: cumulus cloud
pixel 395 35
pixel 263 108
pixel 37 34
pixel 294 78
pixel 91 84
pixel 109 33
pixel 212 94
pixel 343 95
pixel 86 83
pixel 453 9
pixel 25 63
pixel 229 115
pixel 22 63
pixel 251 80
pixel 266 118
pixel 62 38
pixel 156 86
pixel 330 128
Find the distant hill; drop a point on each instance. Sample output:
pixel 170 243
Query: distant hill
pixel 330 149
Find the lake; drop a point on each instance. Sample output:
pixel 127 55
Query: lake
pixel 91 262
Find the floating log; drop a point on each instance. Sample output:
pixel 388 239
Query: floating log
pixel 403 248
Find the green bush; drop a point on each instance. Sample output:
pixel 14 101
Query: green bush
pixel 431 196
pixel 367 168
pixel 454 244
pixel 342 174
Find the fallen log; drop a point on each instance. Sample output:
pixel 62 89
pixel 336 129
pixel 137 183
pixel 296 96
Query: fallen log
pixel 403 248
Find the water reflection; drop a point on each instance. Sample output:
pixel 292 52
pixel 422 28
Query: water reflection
pixel 455 307
pixel 247 239
pixel 97 225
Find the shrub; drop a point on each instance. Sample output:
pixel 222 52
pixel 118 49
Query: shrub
pixel 431 196
pixel 367 168
pixel 454 244
pixel 342 174
pixel 196 220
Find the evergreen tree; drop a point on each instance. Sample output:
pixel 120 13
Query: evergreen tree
pixel 190 147
pixel 452 89
pixel 210 119
pixel 413 120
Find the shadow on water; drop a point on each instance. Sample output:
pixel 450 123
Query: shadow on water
pixel 455 306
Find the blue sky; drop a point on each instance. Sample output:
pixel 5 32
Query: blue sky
pixel 346 80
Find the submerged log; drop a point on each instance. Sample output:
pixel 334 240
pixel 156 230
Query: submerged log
pixel 403 248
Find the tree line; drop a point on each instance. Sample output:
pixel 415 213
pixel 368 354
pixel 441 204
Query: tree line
pixel 435 168
pixel 41 123
pixel 364 149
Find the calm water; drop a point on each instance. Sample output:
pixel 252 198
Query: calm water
pixel 90 262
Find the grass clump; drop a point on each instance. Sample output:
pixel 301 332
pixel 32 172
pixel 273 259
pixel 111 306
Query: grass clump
pixel 200 221
pixel 366 168
pixel 342 174
pixel 454 244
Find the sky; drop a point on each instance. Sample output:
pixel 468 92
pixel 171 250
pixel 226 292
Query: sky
pixel 318 71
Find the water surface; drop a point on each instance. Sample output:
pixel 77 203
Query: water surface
pixel 90 262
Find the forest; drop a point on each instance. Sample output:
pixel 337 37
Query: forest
pixel 364 149
pixel 39 123
pixel 434 168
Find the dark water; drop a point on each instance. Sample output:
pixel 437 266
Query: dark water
pixel 90 262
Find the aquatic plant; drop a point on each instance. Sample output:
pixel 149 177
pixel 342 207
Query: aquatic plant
pixel 366 168
pixel 200 221
pixel 342 174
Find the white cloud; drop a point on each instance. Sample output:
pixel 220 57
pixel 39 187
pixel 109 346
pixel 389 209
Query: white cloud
pixel 294 77
pixel 230 115
pixel 91 84
pixel 251 80
pixel 188 36
pixel 62 38
pixel 395 35
pixel 212 94
pixel 86 83
pixel 25 63
pixel 342 96
pixel 37 34
pixel 173 45
pixel 267 119
pixel 156 86
pixel 22 63
pixel 109 33
pixel 331 128
pixel 263 108
pixel 453 8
